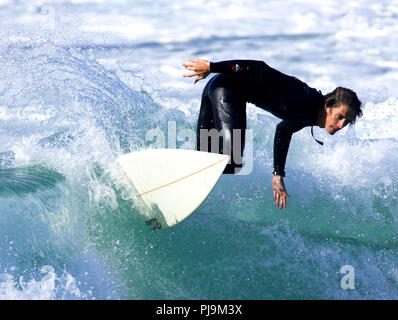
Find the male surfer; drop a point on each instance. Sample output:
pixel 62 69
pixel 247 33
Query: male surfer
pixel 223 107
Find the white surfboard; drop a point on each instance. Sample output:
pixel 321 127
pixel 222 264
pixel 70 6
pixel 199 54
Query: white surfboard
pixel 170 184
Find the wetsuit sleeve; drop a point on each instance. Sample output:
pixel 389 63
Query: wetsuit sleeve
pixel 255 69
pixel 283 135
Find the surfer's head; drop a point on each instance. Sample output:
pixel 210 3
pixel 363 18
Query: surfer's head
pixel 342 107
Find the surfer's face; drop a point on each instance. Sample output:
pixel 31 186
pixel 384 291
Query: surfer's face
pixel 337 118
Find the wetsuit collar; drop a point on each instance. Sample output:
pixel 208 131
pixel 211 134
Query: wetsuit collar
pixel 312 132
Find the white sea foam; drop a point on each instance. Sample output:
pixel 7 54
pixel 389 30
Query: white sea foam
pixel 49 287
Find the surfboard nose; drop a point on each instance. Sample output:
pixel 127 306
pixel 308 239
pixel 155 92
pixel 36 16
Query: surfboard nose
pixel 171 183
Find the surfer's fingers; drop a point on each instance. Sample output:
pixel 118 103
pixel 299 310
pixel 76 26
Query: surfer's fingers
pixel 191 62
pixel 198 61
pixel 197 79
pixel 190 67
pixel 191 74
pixel 283 202
pixel 197 65
pixel 201 75
pixel 280 199
pixel 194 68
pixel 277 199
pixel 285 194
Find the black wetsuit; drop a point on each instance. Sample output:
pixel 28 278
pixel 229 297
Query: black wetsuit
pixel 223 106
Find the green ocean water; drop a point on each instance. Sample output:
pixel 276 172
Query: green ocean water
pixel 71 104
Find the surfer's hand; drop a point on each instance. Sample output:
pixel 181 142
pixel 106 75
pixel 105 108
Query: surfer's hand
pixel 200 68
pixel 280 193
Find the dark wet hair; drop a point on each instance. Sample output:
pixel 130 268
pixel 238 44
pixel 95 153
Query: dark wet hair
pixel 345 96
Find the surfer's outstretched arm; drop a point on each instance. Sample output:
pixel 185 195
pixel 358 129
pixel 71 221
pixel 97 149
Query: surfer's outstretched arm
pixel 202 68
pixel 283 136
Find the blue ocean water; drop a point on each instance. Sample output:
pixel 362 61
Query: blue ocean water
pixel 86 81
